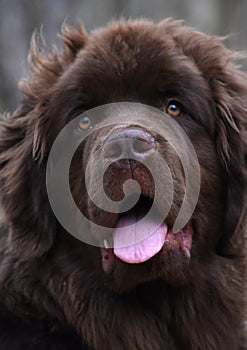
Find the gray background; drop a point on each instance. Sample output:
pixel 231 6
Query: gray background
pixel 19 18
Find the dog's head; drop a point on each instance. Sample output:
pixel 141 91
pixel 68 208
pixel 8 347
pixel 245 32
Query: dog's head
pixel 187 75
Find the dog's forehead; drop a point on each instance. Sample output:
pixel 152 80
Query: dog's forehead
pixel 131 46
pixel 132 59
pixel 135 62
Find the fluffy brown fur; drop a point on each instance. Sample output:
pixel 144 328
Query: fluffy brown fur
pixel 54 293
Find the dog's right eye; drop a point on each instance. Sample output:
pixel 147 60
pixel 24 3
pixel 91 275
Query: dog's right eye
pixel 84 123
pixel 174 109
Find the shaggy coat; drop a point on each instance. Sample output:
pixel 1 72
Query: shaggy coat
pixel 55 292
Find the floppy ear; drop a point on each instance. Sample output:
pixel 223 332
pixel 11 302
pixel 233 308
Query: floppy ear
pixel 228 86
pixel 28 216
pixel 230 93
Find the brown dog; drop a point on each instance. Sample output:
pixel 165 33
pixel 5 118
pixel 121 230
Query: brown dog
pixel 188 291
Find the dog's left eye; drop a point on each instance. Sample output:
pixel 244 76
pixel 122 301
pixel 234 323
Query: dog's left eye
pixel 173 109
pixel 84 123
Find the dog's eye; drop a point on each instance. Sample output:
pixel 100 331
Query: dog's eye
pixel 84 123
pixel 173 109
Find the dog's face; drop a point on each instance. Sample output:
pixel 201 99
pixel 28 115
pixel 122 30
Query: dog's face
pixel 165 254
pixel 187 76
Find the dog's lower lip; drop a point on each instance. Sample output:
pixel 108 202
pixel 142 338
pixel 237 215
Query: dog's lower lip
pixel 108 260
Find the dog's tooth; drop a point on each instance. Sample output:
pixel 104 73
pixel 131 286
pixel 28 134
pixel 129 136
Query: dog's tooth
pixel 106 243
pixel 186 252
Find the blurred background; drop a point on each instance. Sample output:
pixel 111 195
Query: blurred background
pixel 19 18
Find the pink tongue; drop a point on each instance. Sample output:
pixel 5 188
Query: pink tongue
pixel 141 241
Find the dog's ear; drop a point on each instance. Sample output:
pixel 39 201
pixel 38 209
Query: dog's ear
pixel 31 223
pixel 230 93
pixel 231 104
pixel 228 86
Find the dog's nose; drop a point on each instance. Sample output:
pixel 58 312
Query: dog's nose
pixel 129 143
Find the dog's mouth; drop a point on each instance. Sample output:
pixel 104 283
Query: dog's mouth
pixel 147 235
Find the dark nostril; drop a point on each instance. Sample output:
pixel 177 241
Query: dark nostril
pixel 142 146
pixel 112 150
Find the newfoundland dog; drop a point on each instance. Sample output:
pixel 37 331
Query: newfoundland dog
pixel 171 289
